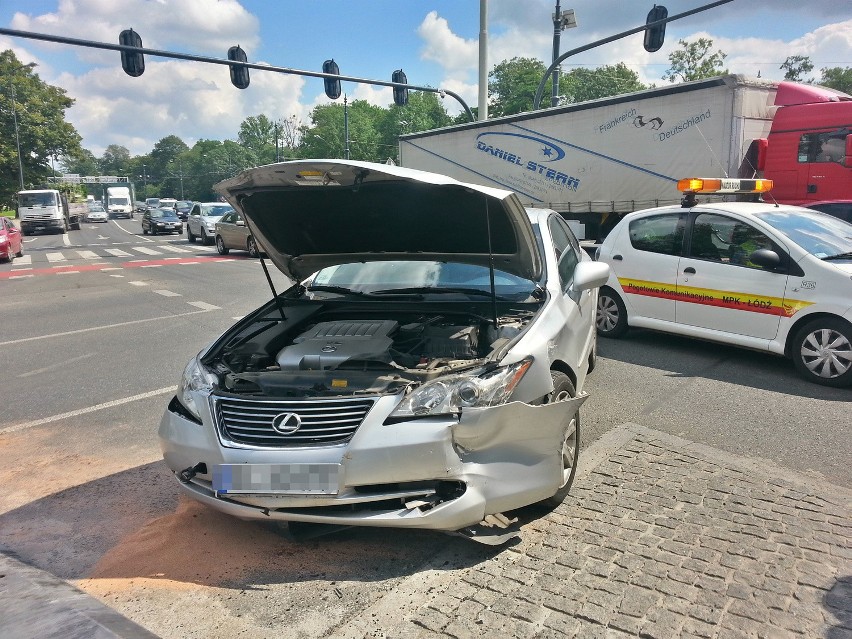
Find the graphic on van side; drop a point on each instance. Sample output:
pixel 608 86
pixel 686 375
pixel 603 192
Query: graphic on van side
pixel 516 148
pixel 712 297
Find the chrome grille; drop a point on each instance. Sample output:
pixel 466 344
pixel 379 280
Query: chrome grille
pixel 248 421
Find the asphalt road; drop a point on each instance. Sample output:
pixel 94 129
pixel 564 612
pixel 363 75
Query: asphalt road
pixel 93 344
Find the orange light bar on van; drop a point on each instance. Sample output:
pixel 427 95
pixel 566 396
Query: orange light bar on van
pixel 723 185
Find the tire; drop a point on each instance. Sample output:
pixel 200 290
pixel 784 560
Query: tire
pixel 205 239
pixel 21 252
pixel 563 388
pixel 251 246
pixel 144 231
pixel 220 246
pixel 189 235
pixel 822 352
pixel 593 358
pixel 153 230
pixel 611 315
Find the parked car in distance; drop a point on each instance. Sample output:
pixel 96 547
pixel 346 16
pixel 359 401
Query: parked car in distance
pixel 11 242
pixel 411 376
pixel 202 220
pixel 97 213
pixel 769 277
pixel 182 208
pixel 837 208
pixel 232 233
pixel 162 220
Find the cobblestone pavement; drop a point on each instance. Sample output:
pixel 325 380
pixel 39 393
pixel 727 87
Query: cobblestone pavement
pixel 661 538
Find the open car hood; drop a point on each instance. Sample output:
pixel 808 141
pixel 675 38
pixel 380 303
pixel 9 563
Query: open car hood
pixel 310 214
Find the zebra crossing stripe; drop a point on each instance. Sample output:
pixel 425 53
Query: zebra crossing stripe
pixel 55 257
pixel 175 249
pixel 88 255
pixel 146 250
pixel 117 252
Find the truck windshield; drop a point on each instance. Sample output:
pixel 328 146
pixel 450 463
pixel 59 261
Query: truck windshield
pixel 119 200
pixel 37 199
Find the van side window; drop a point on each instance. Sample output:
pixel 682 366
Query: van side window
pixel 658 233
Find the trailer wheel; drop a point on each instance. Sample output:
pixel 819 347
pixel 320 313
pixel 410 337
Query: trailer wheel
pixel 611 317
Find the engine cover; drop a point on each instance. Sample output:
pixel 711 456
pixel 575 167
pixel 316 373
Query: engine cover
pixel 327 345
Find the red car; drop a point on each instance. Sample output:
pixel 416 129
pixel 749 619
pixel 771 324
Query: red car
pixel 11 245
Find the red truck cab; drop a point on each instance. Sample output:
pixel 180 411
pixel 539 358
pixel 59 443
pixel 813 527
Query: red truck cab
pixel 808 154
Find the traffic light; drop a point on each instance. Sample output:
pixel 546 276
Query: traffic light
pixel 400 95
pixel 332 85
pixel 133 62
pixel 654 36
pixel 239 74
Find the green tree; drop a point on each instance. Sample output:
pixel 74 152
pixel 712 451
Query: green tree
pixel 512 85
pixel 796 67
pixel 423 112
pixel 838 78
pixel 325 136
pixel 81 162
pixel 582 84
pixel 165 169
pixel 115 160
pixel 257 134
pixel 694 61
pixel 39 109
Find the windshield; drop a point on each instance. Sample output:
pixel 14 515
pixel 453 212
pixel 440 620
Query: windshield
pixel 216 210
pixel 118 200
pixel 390 276
pixel 37 199
pixel 819 234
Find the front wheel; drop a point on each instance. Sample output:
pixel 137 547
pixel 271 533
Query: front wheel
pixel 563 388
pixel 220 246
pixel 205 239
pixel 189 234
pixel 20 253
pixel 611 316
pixel 822 352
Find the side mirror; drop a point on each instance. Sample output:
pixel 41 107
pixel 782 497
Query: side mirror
pixel 240 223
pixel 588 275
pixel 766 258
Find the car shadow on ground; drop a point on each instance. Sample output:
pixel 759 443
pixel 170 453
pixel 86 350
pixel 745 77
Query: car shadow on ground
pixel 134 524
pixel 685 357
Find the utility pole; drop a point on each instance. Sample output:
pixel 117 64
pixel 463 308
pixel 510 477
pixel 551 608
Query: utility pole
pixel 561 21
pixel 17 135
pixel 345 128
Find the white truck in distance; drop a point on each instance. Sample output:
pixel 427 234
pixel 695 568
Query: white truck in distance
pixel 48 210
pixel 119 202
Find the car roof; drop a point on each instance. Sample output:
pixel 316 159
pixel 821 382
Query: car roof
pixel 746 209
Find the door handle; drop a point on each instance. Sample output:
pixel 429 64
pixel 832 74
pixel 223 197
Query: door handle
pixel 689 270
pixel 617 257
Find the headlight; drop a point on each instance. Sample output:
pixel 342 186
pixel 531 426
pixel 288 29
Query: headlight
pixel 450 394
pixel 195 379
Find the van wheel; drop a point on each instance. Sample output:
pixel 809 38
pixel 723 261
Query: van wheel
pixel 822 352
pixel 611 316
pixel 563 389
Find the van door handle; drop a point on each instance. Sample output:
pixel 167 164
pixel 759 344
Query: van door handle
pixel 689 270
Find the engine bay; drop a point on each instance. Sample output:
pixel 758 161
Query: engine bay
pixel 327 352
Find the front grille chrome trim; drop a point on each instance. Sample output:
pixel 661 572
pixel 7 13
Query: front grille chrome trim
pixel 246 422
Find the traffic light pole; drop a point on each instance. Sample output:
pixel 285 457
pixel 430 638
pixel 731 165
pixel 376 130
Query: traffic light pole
pixel 617 36
pixel 78 42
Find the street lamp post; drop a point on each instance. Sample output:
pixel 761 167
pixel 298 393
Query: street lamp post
pixel 17 135
pixel 561 20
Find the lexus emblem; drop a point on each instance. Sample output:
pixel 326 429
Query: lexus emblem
pixel 286 423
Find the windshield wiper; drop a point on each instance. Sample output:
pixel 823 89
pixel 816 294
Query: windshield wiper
pixel 439 290
pixel 839 256
pixel 342 290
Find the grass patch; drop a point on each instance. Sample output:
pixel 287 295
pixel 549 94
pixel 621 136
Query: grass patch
pixel 7 213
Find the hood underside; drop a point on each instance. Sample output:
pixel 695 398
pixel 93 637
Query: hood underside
pixel 310 214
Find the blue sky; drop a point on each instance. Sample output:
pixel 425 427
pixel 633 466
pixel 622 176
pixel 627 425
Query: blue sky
pixel 434 41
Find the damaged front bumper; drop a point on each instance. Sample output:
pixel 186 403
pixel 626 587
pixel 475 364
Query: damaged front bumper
pixel 444 473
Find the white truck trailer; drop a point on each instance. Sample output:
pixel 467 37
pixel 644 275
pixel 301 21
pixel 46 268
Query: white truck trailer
pixel 597 160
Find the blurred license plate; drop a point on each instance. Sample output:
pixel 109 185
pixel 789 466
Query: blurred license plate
pixel 276 479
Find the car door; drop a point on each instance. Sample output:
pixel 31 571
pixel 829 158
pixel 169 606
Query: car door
pixel 719 288
pixel 227 229
pixel 577 309
pixel 645 260
pixel 193 222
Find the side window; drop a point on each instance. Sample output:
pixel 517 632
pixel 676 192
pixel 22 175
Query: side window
pixel 724 239
pixel 658 233
pixel 823 147
pixel 195 210
pixel 566 247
